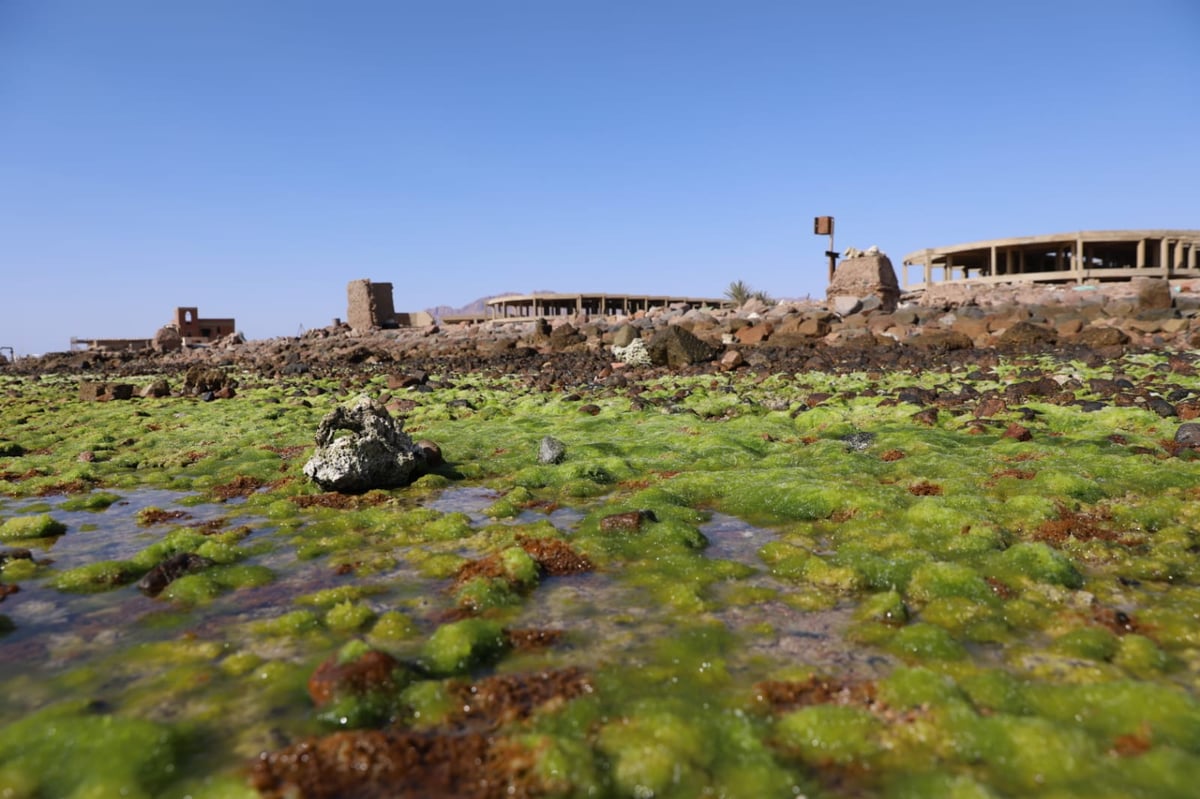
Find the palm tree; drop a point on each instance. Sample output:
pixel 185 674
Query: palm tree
pixel 738 292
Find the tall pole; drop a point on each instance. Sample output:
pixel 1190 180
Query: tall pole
pixel 824 225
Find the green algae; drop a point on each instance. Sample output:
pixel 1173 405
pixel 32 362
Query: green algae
pixel 99 576
pixel 936 581
pixel 40 526
pixel 70 750
pixel 460 646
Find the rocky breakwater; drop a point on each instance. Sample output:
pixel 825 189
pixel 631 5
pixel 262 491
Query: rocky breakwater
pixel 1150 314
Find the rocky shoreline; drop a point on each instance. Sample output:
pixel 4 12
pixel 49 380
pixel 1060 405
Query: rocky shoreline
pixel 949 323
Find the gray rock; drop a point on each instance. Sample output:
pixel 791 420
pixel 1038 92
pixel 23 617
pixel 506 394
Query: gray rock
pixel 858 441
pixel 1188 435
pixel 551 450
pixel 625 335
pixel 158 388
pixel 376 454
pixel 844 305
pixel 674 346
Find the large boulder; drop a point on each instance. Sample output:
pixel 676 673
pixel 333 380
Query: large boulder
pixel 167 339
pixel 864 276
pixel 376 454
pixel 675 347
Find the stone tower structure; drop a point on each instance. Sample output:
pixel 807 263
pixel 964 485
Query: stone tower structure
pixel 370 305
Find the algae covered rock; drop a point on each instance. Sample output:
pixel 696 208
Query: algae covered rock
pixel 460 646
pixel 376 454
pixel 40 526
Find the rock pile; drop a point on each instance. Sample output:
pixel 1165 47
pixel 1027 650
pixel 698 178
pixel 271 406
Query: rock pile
pixel 1143 314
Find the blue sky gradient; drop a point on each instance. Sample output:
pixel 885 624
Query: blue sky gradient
pixel 252 157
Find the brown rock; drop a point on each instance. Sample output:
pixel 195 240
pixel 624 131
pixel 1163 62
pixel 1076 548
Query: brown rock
pixel 167 339
pixel 433 453
pixel 927 417
pixel 1016 431
pixel 371 671
pixel 1026 335
pixel 941 340
pixel 732 360
pixel 990 407
pixel 755 334
pixel 1095 336
pixel 629 522
pixel 1152 293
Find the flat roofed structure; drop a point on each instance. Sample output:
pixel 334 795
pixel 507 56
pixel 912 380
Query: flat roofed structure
pixel 1059 258
pixel 533 306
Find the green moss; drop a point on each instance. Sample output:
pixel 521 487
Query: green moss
pixel 656 752
pixel 940 580
pixel 462 645
pixel 67 751
pixel 926 642
pixel 393 626
pixel 519 567
pixel 1093 643
pixel 830 734
pixel 293 623
pixel 785 560
pixel 39 526
pixel 100 576
pixel 482 593
pixel 1141 657
pixel 913 687
pixel 428 702
pixel 349 616
pixel 1035 561
pixel 95 501
pixel 20 569
pixel 328 597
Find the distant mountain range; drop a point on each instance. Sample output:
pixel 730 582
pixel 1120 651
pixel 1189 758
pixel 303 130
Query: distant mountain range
pixel 476 306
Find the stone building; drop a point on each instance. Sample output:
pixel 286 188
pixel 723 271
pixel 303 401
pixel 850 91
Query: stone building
pixel 193 329
pixel 369 305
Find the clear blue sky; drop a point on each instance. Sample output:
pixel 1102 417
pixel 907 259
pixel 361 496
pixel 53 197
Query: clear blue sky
pixel 252 157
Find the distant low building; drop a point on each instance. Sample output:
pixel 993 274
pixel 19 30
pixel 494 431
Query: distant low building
pixel 1059 258
pixel 195 330
pixel 192 330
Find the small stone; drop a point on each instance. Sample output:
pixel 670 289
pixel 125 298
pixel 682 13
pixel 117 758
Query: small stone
pixel 1188 435
pixel 1161 407
pixel 927 417
pixel 858 441
pixel 1017 432
pixel 628 522
pixel 170 570
pixel 551 451
pixel 732 360
pixel 433 453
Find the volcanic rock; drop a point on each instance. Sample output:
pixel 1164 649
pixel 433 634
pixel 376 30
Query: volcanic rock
pixel 675 347
pixel 376 454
